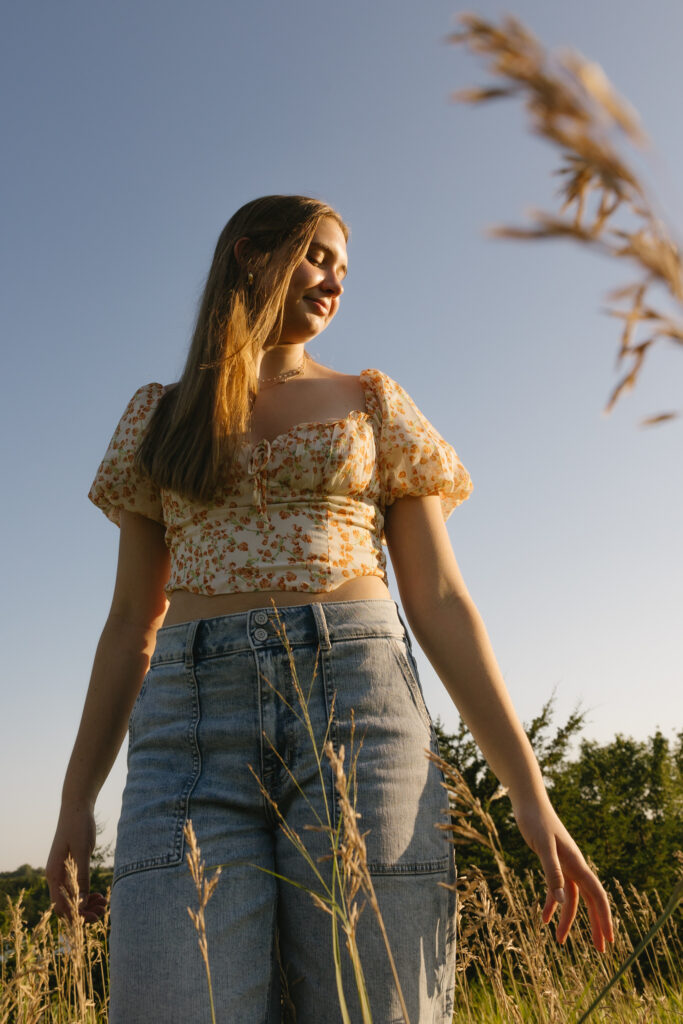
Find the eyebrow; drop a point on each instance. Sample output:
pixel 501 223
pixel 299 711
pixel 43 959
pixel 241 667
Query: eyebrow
pixel 330 252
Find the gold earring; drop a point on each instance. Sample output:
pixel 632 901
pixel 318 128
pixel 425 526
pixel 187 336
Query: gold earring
pixel 250 278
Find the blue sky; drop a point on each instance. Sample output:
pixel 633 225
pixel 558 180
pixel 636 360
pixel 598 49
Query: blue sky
pixel 132 131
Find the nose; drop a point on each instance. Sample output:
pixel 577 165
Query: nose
pixel 333 283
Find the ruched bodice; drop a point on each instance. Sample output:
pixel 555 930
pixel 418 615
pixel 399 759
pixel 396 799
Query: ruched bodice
pixel 304 510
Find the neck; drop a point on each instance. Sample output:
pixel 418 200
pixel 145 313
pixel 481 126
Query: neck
pixel 280 359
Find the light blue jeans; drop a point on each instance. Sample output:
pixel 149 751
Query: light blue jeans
pixel 208 709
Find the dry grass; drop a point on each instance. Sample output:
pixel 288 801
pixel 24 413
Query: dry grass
pixel 510 968
pixel 205 887
pixel 351 876
pixel 572 104
pixel 353 855
pixel 56 972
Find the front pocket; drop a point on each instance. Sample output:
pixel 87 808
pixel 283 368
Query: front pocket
pixel 409 672
pixel 163 768
pixel 398 790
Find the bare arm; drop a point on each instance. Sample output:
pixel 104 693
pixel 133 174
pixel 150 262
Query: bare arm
pixel 121 662
pixel 451 632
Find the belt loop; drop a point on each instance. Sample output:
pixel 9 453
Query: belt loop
pixel 189 643
pixel 321 625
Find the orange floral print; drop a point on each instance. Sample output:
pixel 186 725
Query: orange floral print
pixel 308 510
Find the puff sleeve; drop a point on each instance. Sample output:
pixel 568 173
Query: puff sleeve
pixel 413 458
pixel 118 484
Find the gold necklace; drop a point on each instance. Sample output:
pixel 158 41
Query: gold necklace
pixel 286 374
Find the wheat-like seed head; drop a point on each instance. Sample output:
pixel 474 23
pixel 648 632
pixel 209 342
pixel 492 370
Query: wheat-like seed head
pixel 205 888
pixel 571 103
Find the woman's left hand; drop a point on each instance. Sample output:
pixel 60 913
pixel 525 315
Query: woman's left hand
pixel 566 872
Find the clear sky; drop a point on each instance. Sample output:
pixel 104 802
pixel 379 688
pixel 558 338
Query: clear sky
pixel 131 131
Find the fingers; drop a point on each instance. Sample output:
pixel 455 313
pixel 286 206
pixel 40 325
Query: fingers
pixel 568 914
pixel 566 872
pixel 568 877
pixel 74 841
pixel 602 929
pixel 93 908
pixel 554 878
pixel 583 883
pixel 61 885
pixel 56 880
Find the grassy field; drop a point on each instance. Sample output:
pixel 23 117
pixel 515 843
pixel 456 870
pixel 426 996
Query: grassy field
pixel 510 969
pixel 509 966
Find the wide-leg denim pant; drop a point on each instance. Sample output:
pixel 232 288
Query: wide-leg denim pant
pixel 220 699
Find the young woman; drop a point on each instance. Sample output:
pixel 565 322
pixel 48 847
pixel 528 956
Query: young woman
pixel 262 479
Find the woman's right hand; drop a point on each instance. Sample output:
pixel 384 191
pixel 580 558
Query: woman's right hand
pixel 75 835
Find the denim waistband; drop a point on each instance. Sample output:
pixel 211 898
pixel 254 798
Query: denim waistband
pixel 321 623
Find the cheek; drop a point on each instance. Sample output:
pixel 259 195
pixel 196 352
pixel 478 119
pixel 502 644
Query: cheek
pixel 302 277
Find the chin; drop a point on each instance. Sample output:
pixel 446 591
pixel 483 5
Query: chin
pixel 312 332
pixel 304 329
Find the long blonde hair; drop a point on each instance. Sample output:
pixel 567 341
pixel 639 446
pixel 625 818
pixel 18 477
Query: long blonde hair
pixel 191 442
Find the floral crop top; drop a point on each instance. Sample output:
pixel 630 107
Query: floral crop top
pixel 308 510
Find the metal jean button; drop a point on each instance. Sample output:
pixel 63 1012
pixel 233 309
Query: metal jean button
pixel 261 618
pixel 260 634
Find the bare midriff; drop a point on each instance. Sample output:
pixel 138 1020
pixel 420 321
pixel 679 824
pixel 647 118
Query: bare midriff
pixel 186 607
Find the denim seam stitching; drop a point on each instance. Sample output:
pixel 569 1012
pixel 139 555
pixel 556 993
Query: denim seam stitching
pixel 331 706
pixel 273 642
pixel 426 867
pixel 414 687
pixel 182 803
pixel 267 809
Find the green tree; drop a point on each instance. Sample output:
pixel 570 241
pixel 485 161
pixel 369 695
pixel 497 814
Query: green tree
pixel 622 801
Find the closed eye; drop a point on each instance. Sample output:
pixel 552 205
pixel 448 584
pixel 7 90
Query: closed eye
pixel 319 254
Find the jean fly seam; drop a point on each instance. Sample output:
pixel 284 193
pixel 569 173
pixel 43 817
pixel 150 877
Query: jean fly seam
pixel 260 681
pixel 193 739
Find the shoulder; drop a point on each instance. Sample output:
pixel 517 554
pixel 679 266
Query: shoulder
pixel 346 388
pixel 414 459
pixel 150 393
pixel 118 484
pixel 144 401
pixel 402 423
pixel 137 415
pixel 386 394
pixel 381 381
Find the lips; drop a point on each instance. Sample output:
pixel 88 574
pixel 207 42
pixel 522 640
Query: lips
pixel 322 308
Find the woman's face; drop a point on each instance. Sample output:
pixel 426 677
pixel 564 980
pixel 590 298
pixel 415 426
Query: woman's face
pixel 316 285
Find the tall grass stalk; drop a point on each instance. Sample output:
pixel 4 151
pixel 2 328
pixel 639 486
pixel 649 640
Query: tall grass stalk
pixel 509 969
pixel 39 965
pixel 205 887
pixel 350 873
pixel 336 898
pixel 671 907
pixel 354 859
pixel 55 972
pixel 572 104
